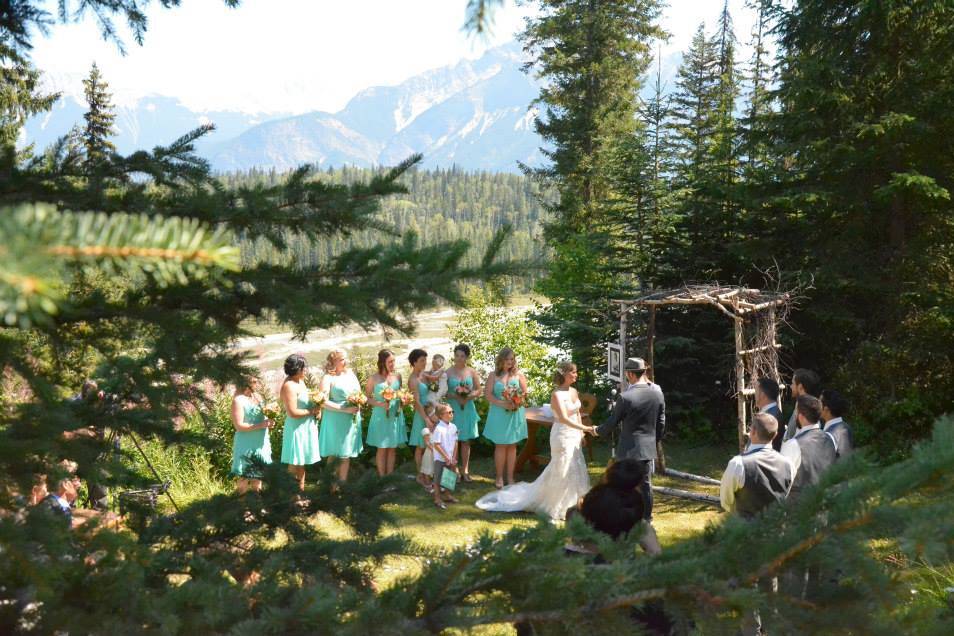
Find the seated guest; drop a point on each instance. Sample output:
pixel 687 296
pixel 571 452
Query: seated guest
pixel 610 506
pixel 60 503
pixel 761 475
pixel 766 399
pixel 834 408
pixel 804 382
pixel 817 447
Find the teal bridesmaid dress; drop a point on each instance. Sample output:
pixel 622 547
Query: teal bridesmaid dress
pixel 387 428
pixel 465 418
pixel 248 444
pixel 503 426
pixel 340 434
pixel 300 437
pixel 416 438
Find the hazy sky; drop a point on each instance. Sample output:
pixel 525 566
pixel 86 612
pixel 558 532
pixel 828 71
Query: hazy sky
pixel 302 55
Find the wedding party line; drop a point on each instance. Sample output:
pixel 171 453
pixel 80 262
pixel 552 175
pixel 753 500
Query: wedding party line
pixel 323 420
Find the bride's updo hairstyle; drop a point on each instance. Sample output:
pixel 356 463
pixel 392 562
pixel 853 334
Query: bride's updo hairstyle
pixel 563 369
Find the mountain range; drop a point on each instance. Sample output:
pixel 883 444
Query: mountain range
pixel 475 114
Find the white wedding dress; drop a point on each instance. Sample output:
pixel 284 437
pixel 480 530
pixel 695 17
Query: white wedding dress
pixel 563 481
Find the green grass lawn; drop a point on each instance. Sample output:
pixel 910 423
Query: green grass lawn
pixel 674 519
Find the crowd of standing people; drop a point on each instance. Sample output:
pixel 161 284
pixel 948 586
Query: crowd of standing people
pixel 325 422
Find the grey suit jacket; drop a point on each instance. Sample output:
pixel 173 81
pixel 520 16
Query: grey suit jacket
pixel 640 414
pixel 792 426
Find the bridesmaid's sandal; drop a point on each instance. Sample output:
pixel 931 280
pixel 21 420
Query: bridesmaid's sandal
pixel 466 478
pixel 499 484
pixel 440 505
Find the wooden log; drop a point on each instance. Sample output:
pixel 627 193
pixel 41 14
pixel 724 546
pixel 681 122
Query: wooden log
pixel 740 383
pixel 672 472
pixel 650 344
pixel 685 494
pixel 762 348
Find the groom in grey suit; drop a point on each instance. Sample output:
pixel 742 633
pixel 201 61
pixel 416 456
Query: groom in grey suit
pixel 640 414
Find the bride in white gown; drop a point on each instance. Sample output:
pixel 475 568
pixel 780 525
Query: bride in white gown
pixel 565 478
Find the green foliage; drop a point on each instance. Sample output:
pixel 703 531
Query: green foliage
pixel 489 327
pixel 439 205
pixel 591 57
pixel 99 123
pixel 41 241
pixel 858 199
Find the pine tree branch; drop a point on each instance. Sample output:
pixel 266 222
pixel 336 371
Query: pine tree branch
pixel 773 567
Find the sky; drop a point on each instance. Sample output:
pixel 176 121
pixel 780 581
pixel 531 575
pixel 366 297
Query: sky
pixel 295 56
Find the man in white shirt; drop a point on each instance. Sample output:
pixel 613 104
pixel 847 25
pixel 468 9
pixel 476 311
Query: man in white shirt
pixel 834 406
pixel 444 444
pixel 759 476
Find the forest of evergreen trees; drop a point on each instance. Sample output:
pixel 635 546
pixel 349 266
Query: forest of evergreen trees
pixel 818 168
pixel 440 205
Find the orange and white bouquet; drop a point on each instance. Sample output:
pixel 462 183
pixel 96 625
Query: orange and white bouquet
pixel 514 395
pixel 358 399
pixel 406 397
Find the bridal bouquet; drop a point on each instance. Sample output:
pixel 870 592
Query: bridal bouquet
pixel 358 399
pixel 514 395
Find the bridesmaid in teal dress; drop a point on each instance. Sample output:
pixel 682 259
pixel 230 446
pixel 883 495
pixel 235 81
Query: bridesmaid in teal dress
pixel 418 388
pixel 251 437
pixel 506 424
pixel 300 436
pixel 386 429
pixel 340 434
pixel 462 401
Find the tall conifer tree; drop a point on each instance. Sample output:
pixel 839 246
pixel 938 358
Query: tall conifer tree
pixel 591 57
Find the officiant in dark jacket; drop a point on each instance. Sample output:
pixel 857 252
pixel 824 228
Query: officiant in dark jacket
pixel 640 416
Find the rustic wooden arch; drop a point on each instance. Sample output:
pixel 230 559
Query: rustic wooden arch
pixel 755 315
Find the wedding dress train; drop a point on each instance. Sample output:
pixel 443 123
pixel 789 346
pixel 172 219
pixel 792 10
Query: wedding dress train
pixel 560 485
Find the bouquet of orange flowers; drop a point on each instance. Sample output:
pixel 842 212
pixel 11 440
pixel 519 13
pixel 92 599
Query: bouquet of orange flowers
pixel 272 412
pixel 514 395
pixel 358 399
pixel 406 397
pixel 388 394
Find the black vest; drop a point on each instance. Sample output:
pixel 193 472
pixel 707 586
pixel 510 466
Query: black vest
pixel 818 453
pixel 768 478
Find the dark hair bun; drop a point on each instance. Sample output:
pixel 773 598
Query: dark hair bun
pixel 294 364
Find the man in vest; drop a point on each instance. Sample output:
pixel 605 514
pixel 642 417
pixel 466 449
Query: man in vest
pixel 804 382
pixel 834 407
pixel 754 480
pixel 758 477
pixel 817 447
